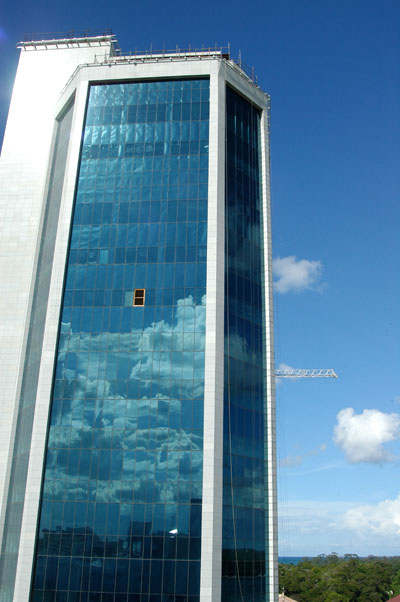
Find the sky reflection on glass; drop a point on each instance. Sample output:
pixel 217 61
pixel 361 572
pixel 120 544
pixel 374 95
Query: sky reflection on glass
pixel 121 502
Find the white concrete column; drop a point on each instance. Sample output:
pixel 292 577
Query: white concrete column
pixel 270 413
pixel 43 71
pixel 44 389
pixel 211 533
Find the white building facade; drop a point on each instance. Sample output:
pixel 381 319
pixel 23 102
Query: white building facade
pixel 138 406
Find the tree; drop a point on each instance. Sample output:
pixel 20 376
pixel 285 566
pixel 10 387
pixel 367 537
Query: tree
pixel 395 584
pixel 333 597
pixel 349 579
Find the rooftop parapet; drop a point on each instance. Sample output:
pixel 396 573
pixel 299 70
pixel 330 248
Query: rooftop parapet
pixel 69 39
pixel 105 37
pixel 180 54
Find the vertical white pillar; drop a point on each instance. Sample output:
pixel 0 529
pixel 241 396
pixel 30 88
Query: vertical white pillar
pixel 45 380
pixel 211 534
pixel 270 413
pixel 42 73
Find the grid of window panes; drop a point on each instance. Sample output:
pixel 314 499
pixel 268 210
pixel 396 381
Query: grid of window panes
pixel 121 502
pixel 243 553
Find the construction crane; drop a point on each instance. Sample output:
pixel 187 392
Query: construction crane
pixel 305 373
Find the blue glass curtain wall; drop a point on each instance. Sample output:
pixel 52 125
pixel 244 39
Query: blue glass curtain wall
pixel 243 549
pixel 121 502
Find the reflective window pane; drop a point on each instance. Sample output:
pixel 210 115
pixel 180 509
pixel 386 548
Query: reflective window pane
pixel 121 501
pixel 243 553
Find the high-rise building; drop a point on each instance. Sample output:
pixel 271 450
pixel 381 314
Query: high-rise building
pixel 137 440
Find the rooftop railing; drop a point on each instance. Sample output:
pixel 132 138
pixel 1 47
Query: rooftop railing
pixel 141 55
pixel 177 53
pixel 69 35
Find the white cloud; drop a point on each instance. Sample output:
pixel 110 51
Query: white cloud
pixel 309 527
pixel 380 519
pixel 296 275
pixel 285 367
pixel 361 436
pixel 292 461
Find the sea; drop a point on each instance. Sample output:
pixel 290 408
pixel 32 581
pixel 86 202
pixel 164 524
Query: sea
pixel 290 559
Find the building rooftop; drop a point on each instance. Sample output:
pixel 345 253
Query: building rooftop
pixel 96 37
pixel 283 598
pixel 87 37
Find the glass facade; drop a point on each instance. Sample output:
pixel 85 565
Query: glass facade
pixel 244 546
pixel 121 501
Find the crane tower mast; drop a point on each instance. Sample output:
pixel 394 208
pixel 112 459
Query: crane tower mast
pixel 305 373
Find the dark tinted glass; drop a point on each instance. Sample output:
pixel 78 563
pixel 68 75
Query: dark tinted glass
pixel 243 554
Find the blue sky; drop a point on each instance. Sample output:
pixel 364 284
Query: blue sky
pixel 332 69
